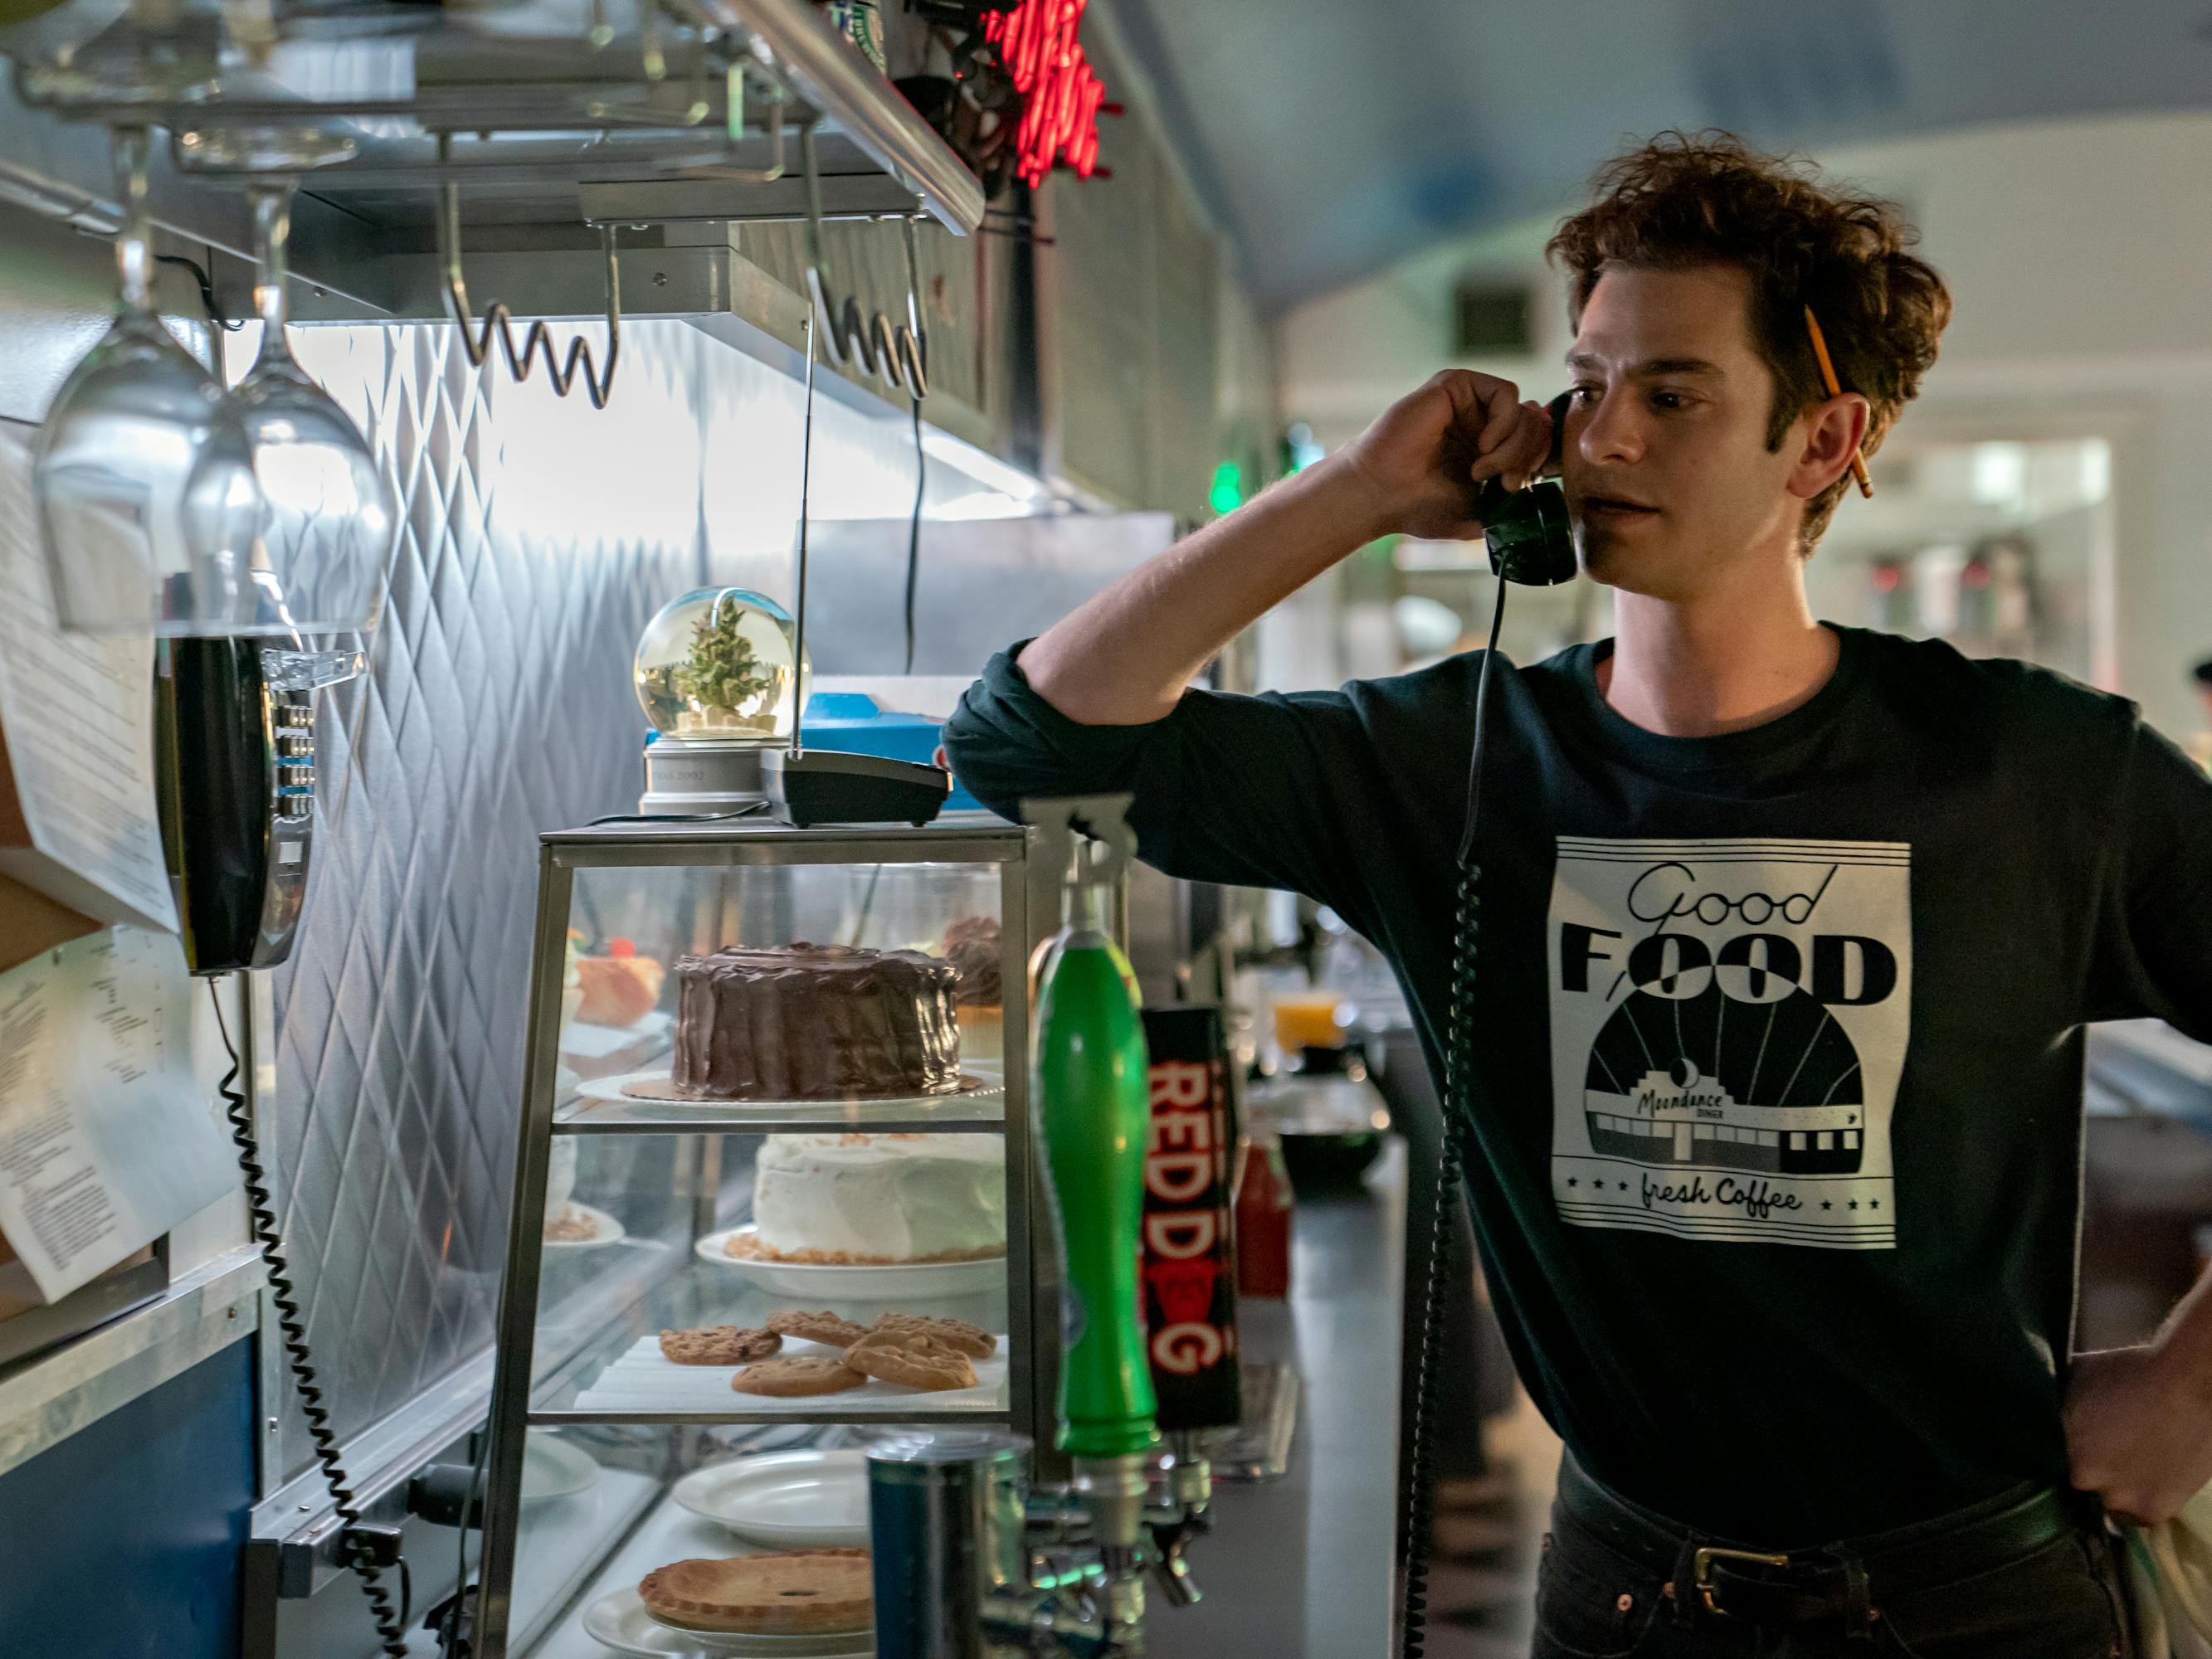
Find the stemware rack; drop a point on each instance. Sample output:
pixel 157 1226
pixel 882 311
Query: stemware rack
pixel 556 125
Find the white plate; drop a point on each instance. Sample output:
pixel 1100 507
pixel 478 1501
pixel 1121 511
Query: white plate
pixel 621 1622
pixel 606 1231
pixel 791 1500
pixel 898 1283
pixel 980 1098
pixel 642 1379
pixel 552 1467
pixel 598 1041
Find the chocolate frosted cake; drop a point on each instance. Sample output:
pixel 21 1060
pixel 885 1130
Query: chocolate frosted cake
pixel 971 945
pixel 815 1021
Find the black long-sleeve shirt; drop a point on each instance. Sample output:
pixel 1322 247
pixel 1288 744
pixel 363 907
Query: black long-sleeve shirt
pixel 1774 1119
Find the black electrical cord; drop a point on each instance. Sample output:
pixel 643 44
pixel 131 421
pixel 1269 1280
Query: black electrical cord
pixel 867 906
pixel 228 326
pixel 751 810
pixel 1420 1487
pixel 914 532
pixel 1015 232
pixel 391 1619
pixel 1481 727
pixel 917 388
pixel 452 1645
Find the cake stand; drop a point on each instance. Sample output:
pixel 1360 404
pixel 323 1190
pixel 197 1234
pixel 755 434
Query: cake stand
pixel 817 1282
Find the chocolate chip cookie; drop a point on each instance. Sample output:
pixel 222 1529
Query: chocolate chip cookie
pixel 824 1328
pixel 795 1376
pixel 913 1359
pixel 718 1345
pixel 971 1339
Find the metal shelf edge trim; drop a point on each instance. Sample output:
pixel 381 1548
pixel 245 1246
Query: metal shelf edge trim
pixel 45 1399
pixel 846 88
pixel 715 1124
pixel 822 1416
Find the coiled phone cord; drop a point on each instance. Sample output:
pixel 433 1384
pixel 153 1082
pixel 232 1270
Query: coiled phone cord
pixel 389 1616
pixel 1459 1039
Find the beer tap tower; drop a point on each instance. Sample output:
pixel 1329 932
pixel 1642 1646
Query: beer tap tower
pixel 969 1562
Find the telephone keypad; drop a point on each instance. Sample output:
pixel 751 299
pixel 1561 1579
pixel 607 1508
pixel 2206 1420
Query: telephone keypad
pixel 294 731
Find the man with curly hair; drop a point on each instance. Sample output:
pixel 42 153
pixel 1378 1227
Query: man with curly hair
pixel 1789 931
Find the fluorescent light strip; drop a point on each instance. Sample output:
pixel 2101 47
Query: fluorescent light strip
pixel 985 468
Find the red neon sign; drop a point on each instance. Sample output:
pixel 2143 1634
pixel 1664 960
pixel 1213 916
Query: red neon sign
pixel 1059 118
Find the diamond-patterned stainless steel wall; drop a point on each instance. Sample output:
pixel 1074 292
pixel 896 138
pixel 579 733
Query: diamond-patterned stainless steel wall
pixel 540 536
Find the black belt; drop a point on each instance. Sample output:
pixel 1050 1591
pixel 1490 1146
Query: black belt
pixel 1850 1579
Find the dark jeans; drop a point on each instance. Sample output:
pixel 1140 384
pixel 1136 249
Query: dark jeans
pixel 2060 1598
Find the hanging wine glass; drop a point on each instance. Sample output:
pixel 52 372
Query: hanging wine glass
pixel 78 55
pixel 146 494
pixel 332 514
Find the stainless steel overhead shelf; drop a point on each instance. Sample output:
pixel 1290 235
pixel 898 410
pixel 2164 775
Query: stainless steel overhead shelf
pixel 553 119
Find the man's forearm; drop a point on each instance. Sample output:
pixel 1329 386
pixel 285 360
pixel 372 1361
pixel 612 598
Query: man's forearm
pixel 1124 657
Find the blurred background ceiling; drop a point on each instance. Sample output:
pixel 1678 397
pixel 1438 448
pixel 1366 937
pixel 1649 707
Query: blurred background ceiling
pixel 1331 140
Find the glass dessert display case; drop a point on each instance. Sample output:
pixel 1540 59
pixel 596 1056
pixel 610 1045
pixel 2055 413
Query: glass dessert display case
pixel 773 1204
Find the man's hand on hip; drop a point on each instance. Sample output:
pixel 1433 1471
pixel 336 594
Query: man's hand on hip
pixel 2139 1429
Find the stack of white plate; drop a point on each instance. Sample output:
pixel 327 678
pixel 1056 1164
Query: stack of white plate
pixel 794 1500
pixel 798 1500
pixel 552 1467
pixel 621 1622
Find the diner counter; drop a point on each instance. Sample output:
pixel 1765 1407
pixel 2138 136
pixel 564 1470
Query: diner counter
pixel 1303 1566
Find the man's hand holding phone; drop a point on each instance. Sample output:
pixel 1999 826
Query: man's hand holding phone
pixel 1421 462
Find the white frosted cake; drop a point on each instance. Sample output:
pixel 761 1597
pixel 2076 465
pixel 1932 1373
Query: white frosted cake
pixel 852 1200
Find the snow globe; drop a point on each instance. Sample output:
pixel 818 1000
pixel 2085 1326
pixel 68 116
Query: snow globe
pixel 719 677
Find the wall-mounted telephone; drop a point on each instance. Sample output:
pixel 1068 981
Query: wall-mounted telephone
pixel 237 753
pixel 235 750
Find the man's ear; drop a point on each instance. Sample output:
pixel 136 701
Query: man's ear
pixel 1834 429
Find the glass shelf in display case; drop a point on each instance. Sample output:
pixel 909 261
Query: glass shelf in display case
pixel 766 1076
pixel 602 1506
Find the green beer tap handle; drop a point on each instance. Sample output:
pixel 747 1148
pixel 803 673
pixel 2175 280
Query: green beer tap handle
pixel 1092 1114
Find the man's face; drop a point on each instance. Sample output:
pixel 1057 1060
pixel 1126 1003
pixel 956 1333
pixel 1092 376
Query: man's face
pixel 1670 485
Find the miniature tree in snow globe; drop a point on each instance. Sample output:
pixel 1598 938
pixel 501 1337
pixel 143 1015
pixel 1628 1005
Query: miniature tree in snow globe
pixel 716 669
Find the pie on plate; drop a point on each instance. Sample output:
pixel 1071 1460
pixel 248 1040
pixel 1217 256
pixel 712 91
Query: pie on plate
pixel 786 1593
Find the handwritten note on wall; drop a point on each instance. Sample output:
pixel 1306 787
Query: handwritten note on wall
pixel 77 713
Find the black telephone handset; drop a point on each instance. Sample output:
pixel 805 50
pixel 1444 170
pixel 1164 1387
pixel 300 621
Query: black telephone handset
pixel 238 788
pixel 1526 530
pixel 1530 543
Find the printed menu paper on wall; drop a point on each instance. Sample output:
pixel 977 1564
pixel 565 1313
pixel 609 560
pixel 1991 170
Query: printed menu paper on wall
pixel 105 1139
pixel 77 815
pixel 1728 1023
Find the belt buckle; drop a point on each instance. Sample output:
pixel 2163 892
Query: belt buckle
pixel 1701 1570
